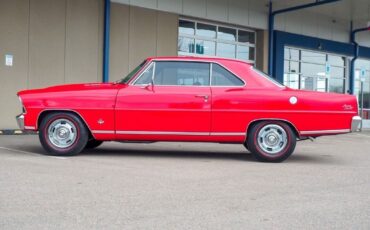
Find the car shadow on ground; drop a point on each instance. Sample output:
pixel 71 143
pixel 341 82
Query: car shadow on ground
pixel 184 153
pixel 168 153
pixel 198 154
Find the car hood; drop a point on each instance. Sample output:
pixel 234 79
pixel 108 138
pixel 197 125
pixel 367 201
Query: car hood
pixel 70 87
pixel 90 95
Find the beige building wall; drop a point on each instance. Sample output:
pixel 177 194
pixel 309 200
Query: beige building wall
pixel 52 42
pixel 137 33
pixel 61 41
pixel 262 49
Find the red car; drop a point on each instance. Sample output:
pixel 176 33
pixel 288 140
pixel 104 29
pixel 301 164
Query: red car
pixel 186 99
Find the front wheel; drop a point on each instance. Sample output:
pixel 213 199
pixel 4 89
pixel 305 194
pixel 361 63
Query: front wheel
pixel 63 134
pixel 271 141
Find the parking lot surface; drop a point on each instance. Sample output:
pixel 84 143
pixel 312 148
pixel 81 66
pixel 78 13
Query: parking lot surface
pixel 325 184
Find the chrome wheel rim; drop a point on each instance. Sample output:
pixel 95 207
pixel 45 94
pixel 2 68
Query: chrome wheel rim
pixel 62 133
pixel 272 139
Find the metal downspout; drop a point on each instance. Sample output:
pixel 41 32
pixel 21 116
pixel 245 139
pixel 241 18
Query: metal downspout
pixel 355 56
pixel 106 41
pixel 272 22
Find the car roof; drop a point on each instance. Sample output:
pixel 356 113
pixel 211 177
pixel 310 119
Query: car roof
pixel 196 58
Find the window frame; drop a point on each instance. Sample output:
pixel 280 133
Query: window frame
pixel 216 40
pixel 153 62
pixel 150 64
pixel 301 62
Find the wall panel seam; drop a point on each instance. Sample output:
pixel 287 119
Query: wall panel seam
pixel 65 37
pixel 98 43
pixel 156 33
pixel 128 38
pixel 28 45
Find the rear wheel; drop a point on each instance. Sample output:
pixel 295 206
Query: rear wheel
pixel 63 134
pixel 271 141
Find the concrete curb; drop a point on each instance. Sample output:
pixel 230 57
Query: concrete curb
pixel 16 132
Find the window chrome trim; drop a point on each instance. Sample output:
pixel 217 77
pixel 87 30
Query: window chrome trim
pixel 242 80
pixel 145 68
pixel 267 77
pixel 210 73
pixel 210 62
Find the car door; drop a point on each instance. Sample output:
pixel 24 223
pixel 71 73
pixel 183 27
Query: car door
pixel 168 98
pixel 229 102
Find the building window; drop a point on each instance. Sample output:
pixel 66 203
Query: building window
pixel 311 70
pixel 363 67
pixel 207 39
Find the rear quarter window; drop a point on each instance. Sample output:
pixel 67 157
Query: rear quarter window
pixel 223 77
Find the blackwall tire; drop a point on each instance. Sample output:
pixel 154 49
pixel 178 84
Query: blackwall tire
pixel 271 141
pixel 91 144
pixel 63 134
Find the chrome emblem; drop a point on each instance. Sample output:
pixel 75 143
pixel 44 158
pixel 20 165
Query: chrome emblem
pixel 347 107
pixel 100 121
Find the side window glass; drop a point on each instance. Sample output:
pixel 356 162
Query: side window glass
pixel 146 76
pixel 222 77
pixel 181 73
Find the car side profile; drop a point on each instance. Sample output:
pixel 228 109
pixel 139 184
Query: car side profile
pixel 186 99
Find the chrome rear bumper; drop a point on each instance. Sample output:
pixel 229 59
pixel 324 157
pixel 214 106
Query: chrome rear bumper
pixel 20 121
pixel 356 121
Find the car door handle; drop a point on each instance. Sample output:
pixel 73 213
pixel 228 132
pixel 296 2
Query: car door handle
pixel 203 96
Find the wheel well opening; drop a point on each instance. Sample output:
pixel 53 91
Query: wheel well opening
pixel 44 113
pixel 286 122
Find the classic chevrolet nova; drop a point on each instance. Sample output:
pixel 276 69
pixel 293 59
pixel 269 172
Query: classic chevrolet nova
pixel 186 99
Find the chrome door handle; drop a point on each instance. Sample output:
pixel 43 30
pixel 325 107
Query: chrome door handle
pixel 203 96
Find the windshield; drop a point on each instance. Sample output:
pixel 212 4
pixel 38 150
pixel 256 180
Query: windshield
pixel 267 77
pixel 132 73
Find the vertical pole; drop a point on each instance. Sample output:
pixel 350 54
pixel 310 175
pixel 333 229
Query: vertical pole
pixel 106 40
pixel 356 54
pixel 362 104
pixel 271 38
pixel 352 69
pixel 352 62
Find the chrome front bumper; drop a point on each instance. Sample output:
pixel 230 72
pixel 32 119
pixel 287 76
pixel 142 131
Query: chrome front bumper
pixel 20 121
pixel 356 121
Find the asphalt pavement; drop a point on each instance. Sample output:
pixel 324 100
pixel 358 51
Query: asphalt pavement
pixel 325 184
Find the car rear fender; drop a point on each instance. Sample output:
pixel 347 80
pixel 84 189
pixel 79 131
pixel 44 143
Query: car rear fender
pixel 253 122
